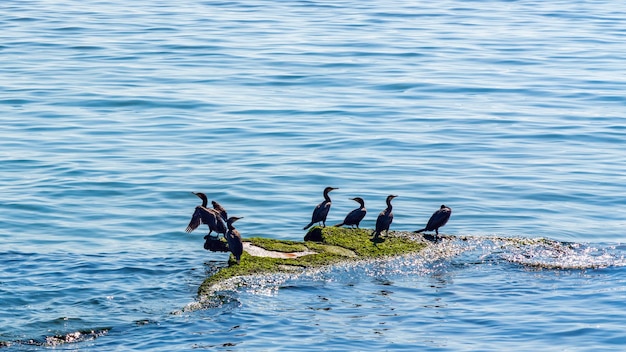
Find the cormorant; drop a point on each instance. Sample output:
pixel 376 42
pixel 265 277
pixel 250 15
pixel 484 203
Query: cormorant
pixel 321 210
pixel 234 238
pixel 437 220
pixel 354 217
pixel 384 218
pixel 208 216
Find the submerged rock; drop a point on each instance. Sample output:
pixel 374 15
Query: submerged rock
pixel 322 246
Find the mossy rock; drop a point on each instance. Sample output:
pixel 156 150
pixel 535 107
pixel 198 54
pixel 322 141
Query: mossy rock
pixel 333 245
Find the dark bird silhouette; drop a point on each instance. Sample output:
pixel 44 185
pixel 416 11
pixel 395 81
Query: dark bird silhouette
pixel 354 217
pixel 384 218
pixel 321 210
pixel 208 216
pixel 233 237
pixel 437 220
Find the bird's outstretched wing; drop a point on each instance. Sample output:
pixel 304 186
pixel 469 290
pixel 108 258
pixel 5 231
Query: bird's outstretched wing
pixel 203 215
pixel 194 222
pixel 220 209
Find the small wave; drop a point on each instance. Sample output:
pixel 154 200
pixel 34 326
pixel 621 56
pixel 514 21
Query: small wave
pixel 563 255
pixel 542 252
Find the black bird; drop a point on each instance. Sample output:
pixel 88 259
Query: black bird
pixel 354 217
pixel 437 220
pixel 233 237
pixel 321 210
pixel 208 216
pixel 384 218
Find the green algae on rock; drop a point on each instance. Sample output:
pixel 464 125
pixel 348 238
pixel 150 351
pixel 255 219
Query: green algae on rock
pixel 332 245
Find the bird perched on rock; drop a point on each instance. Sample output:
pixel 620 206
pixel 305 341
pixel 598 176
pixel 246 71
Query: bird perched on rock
pixel 384 218
pixel 437 220
pixel 208 216
pixel 233 237
pixel 355 216
pixel 321 210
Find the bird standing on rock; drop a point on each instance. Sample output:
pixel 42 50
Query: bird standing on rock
pixel 354 217
pixel 384 218
pixel 321 210
pixel 437 220
pixel 208 216
pixel 233 237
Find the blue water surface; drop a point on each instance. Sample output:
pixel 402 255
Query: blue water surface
pixel 510 112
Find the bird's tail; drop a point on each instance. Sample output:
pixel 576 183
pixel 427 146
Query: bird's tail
pixel 339 224
pixel 309 225
pixel 418 231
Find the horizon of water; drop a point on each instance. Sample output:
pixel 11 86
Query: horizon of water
pixel 509 112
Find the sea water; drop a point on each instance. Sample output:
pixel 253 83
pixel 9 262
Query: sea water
pixel 510 112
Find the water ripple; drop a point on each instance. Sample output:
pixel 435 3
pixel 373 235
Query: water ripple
pixel 509 112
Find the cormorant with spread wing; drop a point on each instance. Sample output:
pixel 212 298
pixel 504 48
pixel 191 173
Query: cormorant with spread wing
pixel 208 216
